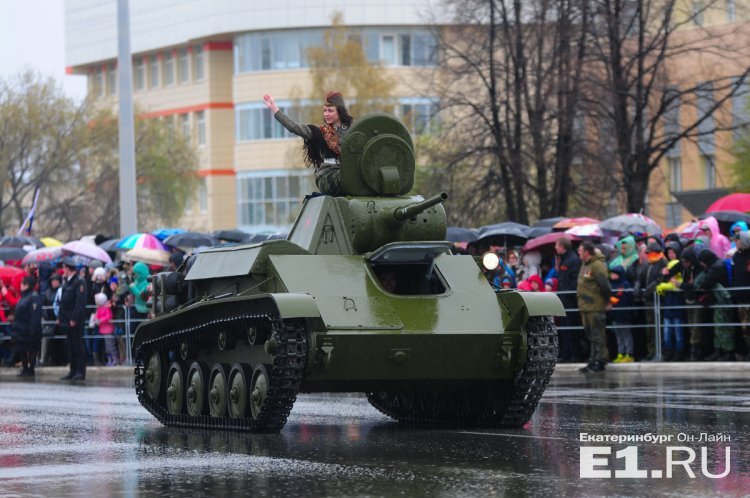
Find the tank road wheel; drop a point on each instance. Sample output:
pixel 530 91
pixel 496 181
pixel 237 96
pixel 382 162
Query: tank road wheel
pixel 175 388
pixel 258 390
pixel 195 393
pixel 217 390
pixel 155 370
pixel 238 389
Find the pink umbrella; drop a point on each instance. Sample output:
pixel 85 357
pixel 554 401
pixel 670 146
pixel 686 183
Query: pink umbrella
pixel 547 239
pixel 87 250
pixel 732 202
pixel 574 222
pixel 590 231
pixel 140 240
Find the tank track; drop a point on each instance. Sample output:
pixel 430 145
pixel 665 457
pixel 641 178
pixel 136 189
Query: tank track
pixel 509 407
pixel 285 376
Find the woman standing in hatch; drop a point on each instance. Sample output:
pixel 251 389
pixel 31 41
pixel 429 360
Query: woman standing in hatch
pixel 322 143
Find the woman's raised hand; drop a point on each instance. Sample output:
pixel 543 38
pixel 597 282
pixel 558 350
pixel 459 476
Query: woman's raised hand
pixel 270 103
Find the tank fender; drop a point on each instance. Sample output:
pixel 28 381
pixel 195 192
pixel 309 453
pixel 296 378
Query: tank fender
pixel 517 307
pixel 294 305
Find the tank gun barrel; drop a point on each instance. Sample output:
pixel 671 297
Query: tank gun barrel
pixel 404 213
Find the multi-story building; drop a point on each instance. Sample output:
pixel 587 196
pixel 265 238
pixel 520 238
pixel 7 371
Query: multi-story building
pixel 204 67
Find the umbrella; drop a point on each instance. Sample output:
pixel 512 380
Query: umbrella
pixel 232 235
pixel 731 202
pixel 20 241
pixel 8 272
pixel 548 222
pixel 191 239
pixel 137 240
pixel 45 254
pixel 50 242
pixel 574 222
pixel 459 234
pixel 546 240
pixel 12 253
pixel 148 256
pixel 538 231
pixel 590 231
pixel 633 223
pixel 729 217
pixel 109 245
pixel 506 233
pixel 164 233
pixel 87 250
pixel 688 230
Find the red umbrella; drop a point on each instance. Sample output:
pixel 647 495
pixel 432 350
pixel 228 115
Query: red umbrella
pixel 8 272
pixel 547 239
pixel 731 202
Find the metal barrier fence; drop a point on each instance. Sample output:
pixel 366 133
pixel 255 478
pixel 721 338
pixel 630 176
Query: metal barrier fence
pixel 657 308
pixel 129 323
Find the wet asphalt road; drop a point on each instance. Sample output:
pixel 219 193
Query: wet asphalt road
pixel 95 440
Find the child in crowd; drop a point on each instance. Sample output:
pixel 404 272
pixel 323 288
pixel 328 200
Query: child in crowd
pixel 675 346
pixel 621 297
pixel 106 328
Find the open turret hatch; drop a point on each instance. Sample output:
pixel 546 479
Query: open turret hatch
pixel 408 268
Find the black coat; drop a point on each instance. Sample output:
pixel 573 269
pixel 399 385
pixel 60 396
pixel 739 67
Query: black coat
pixel 741 277
pixel 27 326
pixel 73 302
pixel 568 270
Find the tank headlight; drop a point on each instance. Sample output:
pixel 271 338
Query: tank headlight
pixel 490 261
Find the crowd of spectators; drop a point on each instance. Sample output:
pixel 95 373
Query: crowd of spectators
pixel 699 288
pixel 110 294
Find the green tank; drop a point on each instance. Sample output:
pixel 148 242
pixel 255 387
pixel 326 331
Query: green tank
pixel 364 296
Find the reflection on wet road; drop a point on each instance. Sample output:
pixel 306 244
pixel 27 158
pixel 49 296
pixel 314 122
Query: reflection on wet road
pixel 63 440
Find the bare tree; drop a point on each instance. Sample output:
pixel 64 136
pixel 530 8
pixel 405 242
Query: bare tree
pixel 509 81
pixel 647 61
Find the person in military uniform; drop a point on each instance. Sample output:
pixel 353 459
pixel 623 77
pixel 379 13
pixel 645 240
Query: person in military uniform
pixel 322 145
pixel 593 302
pixel 72 318
pixel 27 326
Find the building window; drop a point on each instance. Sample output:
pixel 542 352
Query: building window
pixel 255 122
pixel 184 66
pixel 200 120
pixel 709 168
pixel 112 80
pixel 279 50
pixel 697 12
pixel 203 196
pixel 185 126
pixel 99 82
pixel 169 125
pixel 169 69
pixel 419 115
pixel 154 71
pixel 199 62
pixel 388 50
pixel 731 10
pixel 675 174
pixel 674 214
pixel 140 75
pixel 271 200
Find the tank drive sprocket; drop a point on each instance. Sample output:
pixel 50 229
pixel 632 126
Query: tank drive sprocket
pixel 510 406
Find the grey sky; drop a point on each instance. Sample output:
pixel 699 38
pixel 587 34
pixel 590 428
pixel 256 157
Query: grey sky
pixel 32 35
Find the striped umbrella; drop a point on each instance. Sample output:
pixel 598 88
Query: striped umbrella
pixel 140 240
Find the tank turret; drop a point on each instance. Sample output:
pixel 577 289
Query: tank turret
pixel 377 172
pixel 364 296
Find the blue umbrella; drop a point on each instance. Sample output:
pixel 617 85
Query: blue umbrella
pixel 460 234
pixel 163 233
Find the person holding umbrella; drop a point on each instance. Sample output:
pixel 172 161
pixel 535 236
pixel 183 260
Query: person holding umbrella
pixel 72 317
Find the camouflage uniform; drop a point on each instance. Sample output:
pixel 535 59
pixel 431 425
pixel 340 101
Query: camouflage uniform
pixel 593 297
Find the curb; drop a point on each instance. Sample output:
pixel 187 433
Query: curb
pixel 669 366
